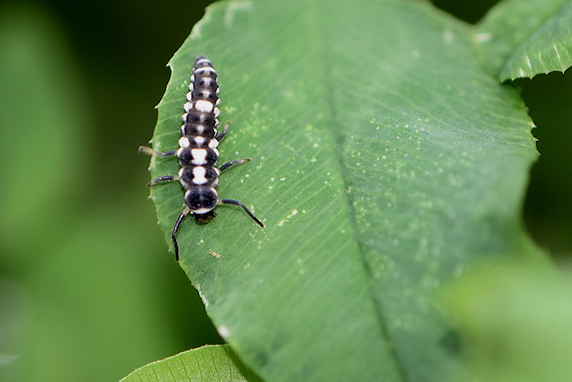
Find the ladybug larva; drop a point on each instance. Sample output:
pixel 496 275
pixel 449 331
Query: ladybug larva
pixel 197 153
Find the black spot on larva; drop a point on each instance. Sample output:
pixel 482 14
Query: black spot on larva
pixel 196 117
pixel 207 83
pixel 197 129
pixel 205 95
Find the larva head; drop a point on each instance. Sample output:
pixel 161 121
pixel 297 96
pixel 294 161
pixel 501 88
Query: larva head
pixel 201 199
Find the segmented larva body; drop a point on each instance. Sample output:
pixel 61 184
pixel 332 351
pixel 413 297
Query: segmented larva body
pixel 197 153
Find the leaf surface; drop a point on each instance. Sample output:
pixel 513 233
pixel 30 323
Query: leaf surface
pixel 385 161
pixel 208 363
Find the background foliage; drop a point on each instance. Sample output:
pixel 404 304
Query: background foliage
pixel 85 279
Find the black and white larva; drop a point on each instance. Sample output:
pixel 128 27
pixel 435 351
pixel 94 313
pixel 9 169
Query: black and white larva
pixel 198 152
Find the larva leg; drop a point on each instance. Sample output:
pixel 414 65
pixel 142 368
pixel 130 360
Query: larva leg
pixel 150 151
pixel 221 135
pixel 232 163
pixel 237 203
pixel 184 213
pixel 164 178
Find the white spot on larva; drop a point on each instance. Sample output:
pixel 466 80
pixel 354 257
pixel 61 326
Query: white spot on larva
pixel 213 144
pixel 189 94
pixel 216 112
pixel 199 141
pixel 188 106
pixel 200 211
pixel 223 331
pixel 199 156
pixel 200 129
pixel 184 142
pixel 184 117
pixel 204 106
pixel 199 173
pixel 191 87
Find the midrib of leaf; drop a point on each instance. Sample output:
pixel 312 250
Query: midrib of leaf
pixel 321 63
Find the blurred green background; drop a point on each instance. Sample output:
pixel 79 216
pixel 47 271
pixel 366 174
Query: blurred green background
pixel 88 290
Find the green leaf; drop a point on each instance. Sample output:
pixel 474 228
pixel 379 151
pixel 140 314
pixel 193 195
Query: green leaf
pixel 208 363
pixel 518 322
pixel 524 38
pixel 385 161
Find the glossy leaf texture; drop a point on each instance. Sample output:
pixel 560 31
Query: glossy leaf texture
pixel 521 39
pixel 209 363
pixel 386 161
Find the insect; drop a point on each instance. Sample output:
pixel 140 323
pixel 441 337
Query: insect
pixel 197 153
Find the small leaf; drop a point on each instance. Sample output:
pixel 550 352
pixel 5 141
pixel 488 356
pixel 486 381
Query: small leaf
pixel 208 363
pixel 524 38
